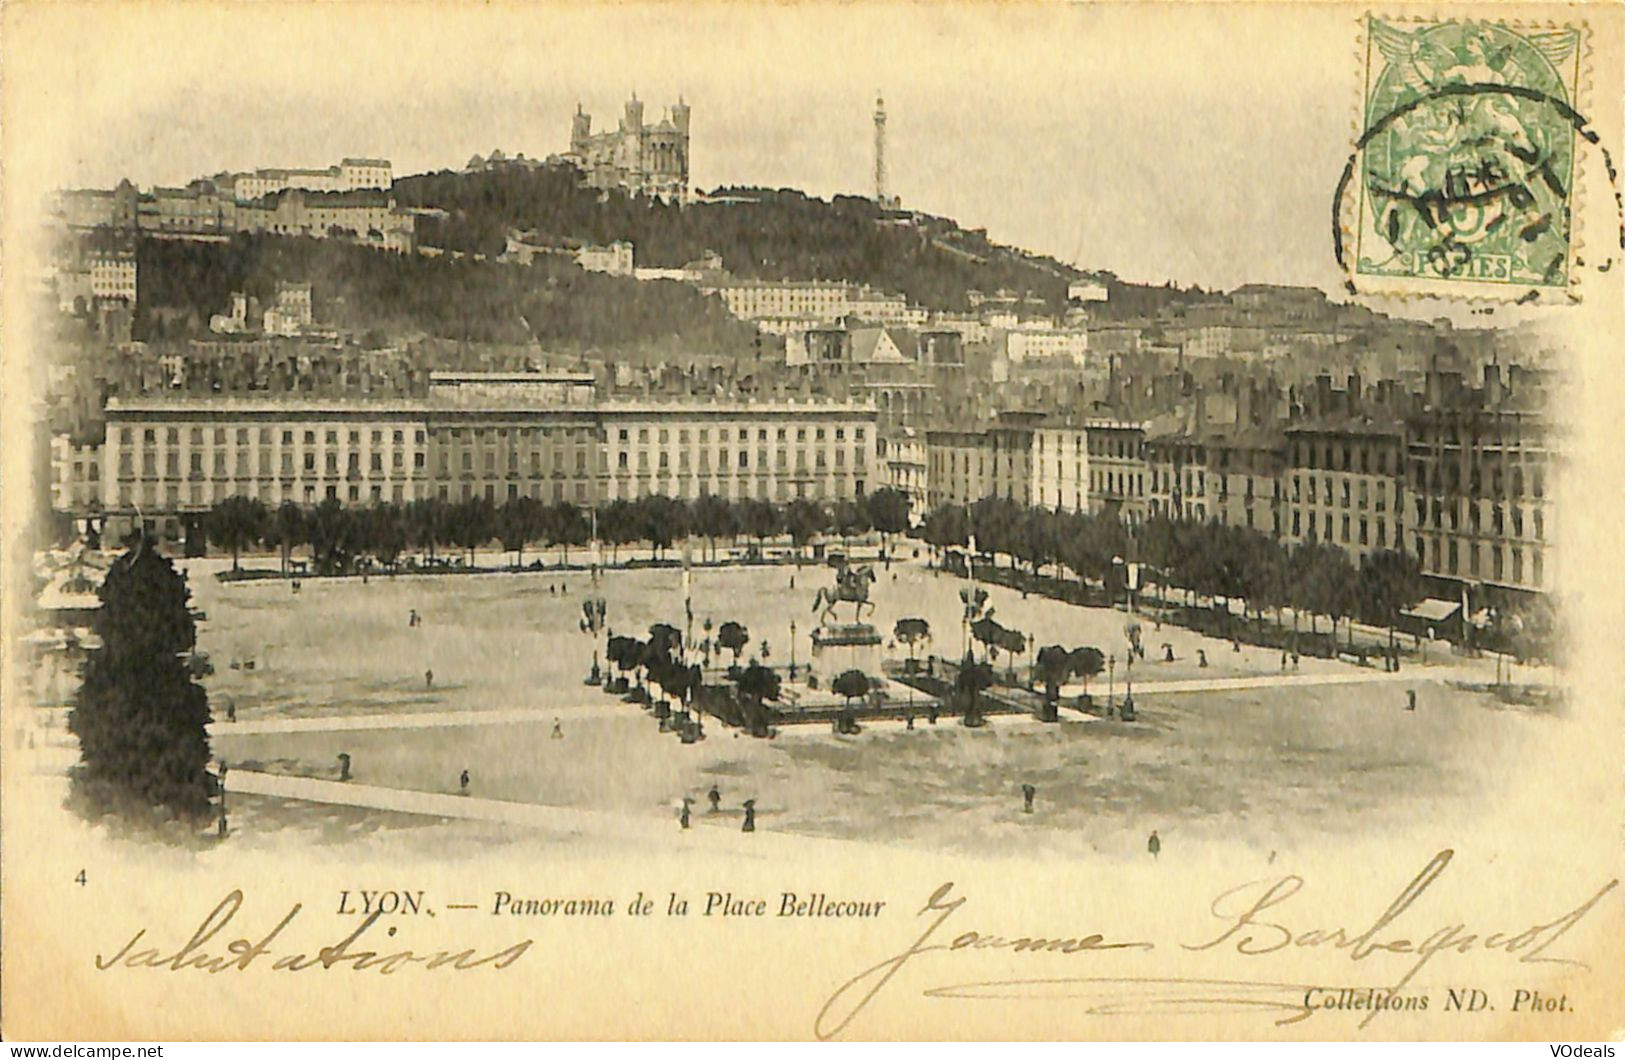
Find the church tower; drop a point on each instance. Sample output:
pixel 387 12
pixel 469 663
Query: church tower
pixel 580 131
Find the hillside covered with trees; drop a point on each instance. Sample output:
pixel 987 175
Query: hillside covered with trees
pixel 182 283
pixel 759 233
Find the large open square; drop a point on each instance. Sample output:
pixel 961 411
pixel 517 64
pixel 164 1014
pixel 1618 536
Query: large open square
pixel 338 669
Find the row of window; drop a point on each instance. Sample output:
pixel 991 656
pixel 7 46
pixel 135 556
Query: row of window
pixel 196 436
pixel 740 460
pixel 1480 560
pixel 1364 459
pixel 1447 517
pixel 1344 530
pixel 1117 483
pixel 662 435
pixel 1499 483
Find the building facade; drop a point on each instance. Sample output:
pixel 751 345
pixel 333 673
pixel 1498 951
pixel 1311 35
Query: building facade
pixel 639 158
pixel 1119 476
pixel 352 174
pixel 1061 468
pixel 1481 463
pixel 497 436
pixel 956 467
pixel 1347 483
pixel 1047 344
pixel 775 452
pixel 903 460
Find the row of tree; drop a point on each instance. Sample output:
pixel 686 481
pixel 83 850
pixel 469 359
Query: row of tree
pixel 1199 558
pixel 658 661
pixel 337 535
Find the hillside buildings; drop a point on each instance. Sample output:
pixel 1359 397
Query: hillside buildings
pixel 352 174
pixel 641 159
pixel 351 200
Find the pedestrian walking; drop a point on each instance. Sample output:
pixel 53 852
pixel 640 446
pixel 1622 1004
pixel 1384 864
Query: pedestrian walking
pixel 909 717
pixel 1283 662
pixel 682 816
pixel 428 679
pixel 750 816
pixel 1027 793
pixel 558 730
pixel 344 766
pixel 1201 658
pixel 716 798
pixel 231 712
pixel 1294 661
pixel 1154 845
pixel 462 783
pixel 1410 699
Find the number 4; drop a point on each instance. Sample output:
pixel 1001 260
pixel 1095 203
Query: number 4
pixel 80 879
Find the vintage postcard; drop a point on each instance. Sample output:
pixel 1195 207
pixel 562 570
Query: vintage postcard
pixel 1039 521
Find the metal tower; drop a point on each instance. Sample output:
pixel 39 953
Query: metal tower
pixel 880 150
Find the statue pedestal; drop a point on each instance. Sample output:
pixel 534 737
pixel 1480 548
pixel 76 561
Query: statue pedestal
pixel 840 647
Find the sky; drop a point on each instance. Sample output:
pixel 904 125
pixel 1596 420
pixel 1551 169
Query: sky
pixel 1199 144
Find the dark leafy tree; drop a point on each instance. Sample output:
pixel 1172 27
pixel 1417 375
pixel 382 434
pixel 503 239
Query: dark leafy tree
pixel 888 511
pixel 472 524
pixel 714 517
pixel 618 524
pixel 285 530
pixel 236 523
pixel 331 532
pixel 733 637
pixel 517 523
pixel 565 524
pixel 850 685
pixel 1388 582
pixel 1054 666
pixel 804 520
pixel 912 632
pixel 140 718
pixel 1087 662
pixel 973 679
pixel 757 685
pixel 849 519
pixel 760 520
pixel 386 532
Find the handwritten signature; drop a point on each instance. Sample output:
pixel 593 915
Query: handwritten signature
pixel 1254 926
pixel 201 953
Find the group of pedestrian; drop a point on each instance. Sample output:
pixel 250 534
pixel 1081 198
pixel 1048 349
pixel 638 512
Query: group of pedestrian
pixel 714 797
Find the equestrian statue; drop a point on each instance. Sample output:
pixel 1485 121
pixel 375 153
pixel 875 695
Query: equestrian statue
pixel 851 587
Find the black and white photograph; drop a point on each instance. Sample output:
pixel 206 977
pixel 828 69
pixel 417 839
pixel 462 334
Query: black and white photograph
pixel 1075 521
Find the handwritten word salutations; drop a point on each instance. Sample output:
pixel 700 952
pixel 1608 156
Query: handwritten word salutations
pixel 203 951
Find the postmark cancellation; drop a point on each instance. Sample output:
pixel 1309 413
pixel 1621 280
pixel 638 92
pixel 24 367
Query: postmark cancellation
pixel 1464 176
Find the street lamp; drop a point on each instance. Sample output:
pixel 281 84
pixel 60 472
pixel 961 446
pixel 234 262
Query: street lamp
pixel 1111 673
pixel 792 649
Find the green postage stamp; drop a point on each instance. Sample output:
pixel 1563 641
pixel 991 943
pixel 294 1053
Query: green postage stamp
pixel 1467 161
